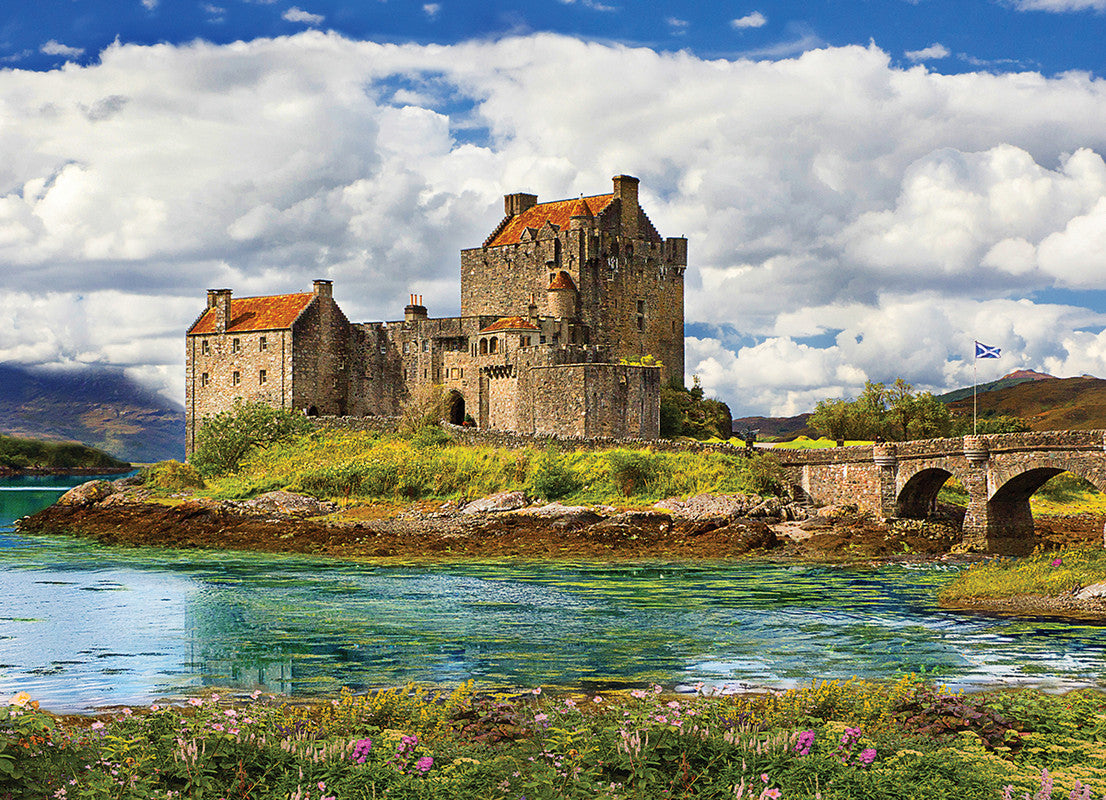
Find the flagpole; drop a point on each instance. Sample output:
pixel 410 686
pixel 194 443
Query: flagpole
pixel 975 383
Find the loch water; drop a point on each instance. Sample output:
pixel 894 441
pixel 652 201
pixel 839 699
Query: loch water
pixel 84 625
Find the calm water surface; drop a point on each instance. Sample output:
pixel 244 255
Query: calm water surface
pixel 83 625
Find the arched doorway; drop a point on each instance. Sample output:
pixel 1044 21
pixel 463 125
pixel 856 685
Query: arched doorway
pixel 312 411
pixel 455 408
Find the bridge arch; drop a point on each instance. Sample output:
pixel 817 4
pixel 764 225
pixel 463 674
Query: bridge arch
pixel 918 485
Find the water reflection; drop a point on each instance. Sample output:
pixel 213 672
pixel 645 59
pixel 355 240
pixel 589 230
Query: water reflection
pixel 84 625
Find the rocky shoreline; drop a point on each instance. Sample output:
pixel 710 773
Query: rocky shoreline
pixel 511 526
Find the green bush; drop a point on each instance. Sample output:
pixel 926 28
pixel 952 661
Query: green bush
pixel 765 475
pixel 226 438
pixel 632 470
pixel 172 476
pixel 551 478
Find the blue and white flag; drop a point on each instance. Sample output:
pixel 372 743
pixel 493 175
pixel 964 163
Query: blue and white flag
pixel 986 351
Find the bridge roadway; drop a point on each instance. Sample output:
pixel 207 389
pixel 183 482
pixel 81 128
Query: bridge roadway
pixel 1000 472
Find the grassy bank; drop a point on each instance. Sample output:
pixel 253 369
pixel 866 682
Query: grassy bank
pixel 836 741
pixel 343 465
pixel 1048 573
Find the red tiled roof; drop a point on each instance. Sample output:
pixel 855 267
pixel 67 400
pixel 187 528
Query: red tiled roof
pixel 257 313
pixel 558 212
pixel 510 324
pixel 562 281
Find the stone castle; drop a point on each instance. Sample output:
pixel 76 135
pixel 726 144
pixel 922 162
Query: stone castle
pixel 559 308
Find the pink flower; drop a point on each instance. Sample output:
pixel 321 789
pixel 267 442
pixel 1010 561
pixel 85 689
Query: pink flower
pixel 597 699
pixel 96 726
pixel 424 764
pixel 867 756
pixel 764 777
pixel 195 701
pixel 771 794
pixel 322 786
pixel 1057 562
pixel 536 691
pixel 674 704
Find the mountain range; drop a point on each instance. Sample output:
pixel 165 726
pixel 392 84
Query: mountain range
pixel 1044 401
pixel 97 406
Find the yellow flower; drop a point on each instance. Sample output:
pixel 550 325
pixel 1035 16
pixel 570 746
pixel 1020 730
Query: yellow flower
pixel 21 700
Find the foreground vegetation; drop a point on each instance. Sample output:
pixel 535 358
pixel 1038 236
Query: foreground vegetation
pixel 834 740
pixel 20 454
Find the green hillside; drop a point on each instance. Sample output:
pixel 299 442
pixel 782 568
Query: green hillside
pixel 18 454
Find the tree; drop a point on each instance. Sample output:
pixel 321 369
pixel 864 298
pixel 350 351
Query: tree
pixel 896 414
pixel 225 438
pixel 685 412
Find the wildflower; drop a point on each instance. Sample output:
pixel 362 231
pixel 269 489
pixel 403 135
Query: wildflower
pixel 536 691
pixel 674 704
pixel 127 712
pixel 215 698
pixel 638 694
pixel 1056 562
pixel 597 699
pixel 867 756
pixel 195 701
pixel 21 700
pixel 256 693
pixel 155 707
pixel 97 726
pixel 804 743
pixel 541 719
pixel 424 764
pixel 764 777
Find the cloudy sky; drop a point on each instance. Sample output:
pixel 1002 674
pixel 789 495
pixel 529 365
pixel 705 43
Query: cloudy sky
pixel 867 187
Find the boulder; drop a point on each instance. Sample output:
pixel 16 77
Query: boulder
pixel 561 516
pixel 709 506
pixel 499 502
pixel 631 522
pixel 287 503
pixel 1096 591
pixel 87 493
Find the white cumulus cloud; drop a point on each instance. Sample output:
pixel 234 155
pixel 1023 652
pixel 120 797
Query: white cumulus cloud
pixel 56 48
pixel 754 19
pixel 848 219
pixel 296 14
pixel 933 52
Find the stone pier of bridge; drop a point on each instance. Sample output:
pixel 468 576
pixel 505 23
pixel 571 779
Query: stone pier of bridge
pixel 1000 473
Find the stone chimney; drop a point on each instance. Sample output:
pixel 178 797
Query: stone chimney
pixel 515 204
pixel 625 190
pixel 414 310
pixel 323 288
pixel 219 299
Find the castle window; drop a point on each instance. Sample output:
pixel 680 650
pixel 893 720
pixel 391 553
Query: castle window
pixel 493 345
pixel 524 341
pixel 640 323
pixel 483 347
pixel 235 345
pixel 205 347
pixel 426 345
pixel 424 374
pixel 262 377
pixel 235 378
pixel 641 306
pixel 406 347
pixel 262 344
pixel 404 374
pixel 204 379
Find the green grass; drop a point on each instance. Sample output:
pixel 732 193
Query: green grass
pixel 1044 573
pixel 837 740
pixel 369 466
pixel 806 443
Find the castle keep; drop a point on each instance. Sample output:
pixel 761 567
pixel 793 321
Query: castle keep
pixel 558 308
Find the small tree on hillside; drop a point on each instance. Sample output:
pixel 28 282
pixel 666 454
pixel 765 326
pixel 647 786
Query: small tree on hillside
pixel 896 413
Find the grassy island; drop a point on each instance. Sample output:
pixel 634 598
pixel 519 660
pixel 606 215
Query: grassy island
pixel 21 455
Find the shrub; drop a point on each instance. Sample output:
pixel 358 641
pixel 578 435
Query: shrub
pixel 631 470
pixel 766 476
pixel 425 408
pixel 226 438
pixel 172 476
pixel 551 478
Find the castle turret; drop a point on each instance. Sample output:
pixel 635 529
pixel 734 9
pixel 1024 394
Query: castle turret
pixel 580 217
pixel 561 296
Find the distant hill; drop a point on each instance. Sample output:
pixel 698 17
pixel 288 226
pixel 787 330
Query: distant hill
pixel 1006 381
pixel 96 406
pixel 1057 404
pixel 775 427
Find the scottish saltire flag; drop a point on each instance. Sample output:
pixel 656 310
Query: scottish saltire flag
pixel 986 351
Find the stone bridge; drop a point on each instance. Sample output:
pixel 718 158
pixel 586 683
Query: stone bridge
pixel 1000 472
